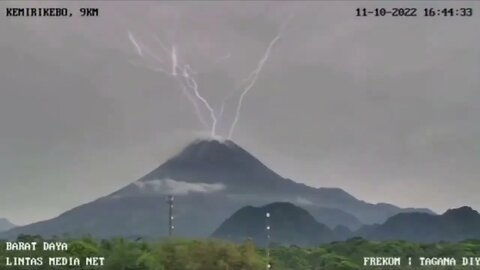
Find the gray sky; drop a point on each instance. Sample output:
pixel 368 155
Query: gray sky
pixel 384 108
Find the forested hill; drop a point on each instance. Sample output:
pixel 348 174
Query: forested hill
pixel 453 225
pixel 218 255
pixel 288 225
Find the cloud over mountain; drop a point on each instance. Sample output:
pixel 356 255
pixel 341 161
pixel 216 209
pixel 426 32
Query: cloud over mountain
pixel 173 187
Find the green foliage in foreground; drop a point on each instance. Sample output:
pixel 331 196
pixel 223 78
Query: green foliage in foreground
pixel 177 254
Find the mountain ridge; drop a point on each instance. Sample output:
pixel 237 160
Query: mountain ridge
pixel 210 180
pixel 201 157
pixel 5 224
pixel 288 223
pixel 455 224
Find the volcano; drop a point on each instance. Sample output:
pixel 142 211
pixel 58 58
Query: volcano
pixel 210 180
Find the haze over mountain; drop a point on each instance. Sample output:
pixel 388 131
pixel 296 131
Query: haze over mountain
pixel 453 225
pixel 5 224
pixel 210 181
pixel 293 225
pixel 79 114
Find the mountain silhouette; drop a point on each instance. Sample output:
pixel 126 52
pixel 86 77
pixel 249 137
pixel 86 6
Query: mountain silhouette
pixel 218 162
pixel 453 225
pixel 5 224
pixel 210 180
pixel 288 225
pixel 244 176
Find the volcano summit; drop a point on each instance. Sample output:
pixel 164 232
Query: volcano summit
pixel 210 180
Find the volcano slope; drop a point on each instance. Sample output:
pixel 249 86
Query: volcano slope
pixel 210 180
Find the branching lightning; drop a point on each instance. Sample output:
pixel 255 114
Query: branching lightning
pixel 184 76
pixel 194 86
pixel 252 78
pixel 188 81
pixel 134 42
pixel 195 105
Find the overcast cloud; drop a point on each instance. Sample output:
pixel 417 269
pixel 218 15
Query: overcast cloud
pixel 385 108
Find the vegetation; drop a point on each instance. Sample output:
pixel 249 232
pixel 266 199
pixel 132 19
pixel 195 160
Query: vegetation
pixel 178 254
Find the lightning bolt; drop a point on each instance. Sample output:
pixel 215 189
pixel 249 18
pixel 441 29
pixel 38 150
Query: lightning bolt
pixel 135 44
pixel 184 76
pixel 141 48
pixel 189 83
pixel 195 105
pixel 252 78
pixel 194 86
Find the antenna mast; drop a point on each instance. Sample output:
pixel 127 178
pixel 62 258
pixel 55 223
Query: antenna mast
pixel 267 227
pixel 170 215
